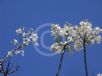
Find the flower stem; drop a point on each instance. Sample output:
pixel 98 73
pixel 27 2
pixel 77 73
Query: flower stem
pixel 60 64
pixel 85 61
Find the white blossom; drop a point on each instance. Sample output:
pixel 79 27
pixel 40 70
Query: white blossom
pixel 26 41
pixel 56 30
pixel 34 38
pixel 69 39
pixel 74 36
pixel 88 33
pixel 26 37
pixel 98 39
pixel 24 34
pixel 85 28
pixel 15 42
pixel 67 30
pixel 78 44
pixel 97 30
pixel 57 47
pixel 19 52
pixel 85 23
pixel 66 33
pixel 19 31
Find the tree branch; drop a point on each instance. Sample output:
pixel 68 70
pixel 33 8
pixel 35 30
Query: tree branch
pixel 61 59
pixel 85 61
pixel 60 64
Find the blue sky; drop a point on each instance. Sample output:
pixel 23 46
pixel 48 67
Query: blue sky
pixel 34 13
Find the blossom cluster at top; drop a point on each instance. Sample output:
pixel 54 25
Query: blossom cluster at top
pixel 25 38
pixel 72 37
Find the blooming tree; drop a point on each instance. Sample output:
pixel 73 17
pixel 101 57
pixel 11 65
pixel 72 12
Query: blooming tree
pixel 25 38
pixel 74 38
pixel 86 35
pixel 64 40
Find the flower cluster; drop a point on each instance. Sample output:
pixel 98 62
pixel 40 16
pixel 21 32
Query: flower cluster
pixel 72 37
pixel 63 37
pixel 57 46
pixel 86 32
pixel 25 38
